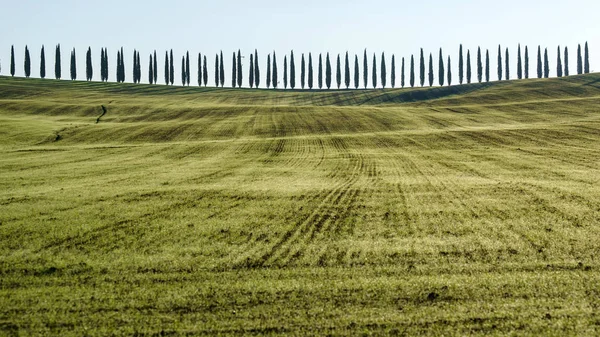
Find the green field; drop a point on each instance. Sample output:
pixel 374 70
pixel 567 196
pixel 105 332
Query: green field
pixel 466 210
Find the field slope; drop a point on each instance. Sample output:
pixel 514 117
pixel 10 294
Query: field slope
pixel 467 210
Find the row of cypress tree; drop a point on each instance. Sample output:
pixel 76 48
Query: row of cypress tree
pixel 306 70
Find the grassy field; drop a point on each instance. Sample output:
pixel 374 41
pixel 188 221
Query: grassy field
pixel 471 210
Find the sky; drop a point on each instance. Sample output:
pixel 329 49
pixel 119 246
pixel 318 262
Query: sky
pixel 199 26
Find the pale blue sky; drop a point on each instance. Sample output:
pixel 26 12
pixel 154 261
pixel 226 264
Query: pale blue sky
pixel 396 27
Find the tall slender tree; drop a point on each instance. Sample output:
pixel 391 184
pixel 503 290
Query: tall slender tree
pixel 507 65
pixel 539 63
pixel 441 70
pixel 383 71
pixel 292 71
pixel 479 66
pixel 217 71
pixel 27 64
pixel 468 66
pixel 89 71
pixel 546 64
pixel 155 67
pixel 199 70
pixel 393 76
pixel 183 74
pixel 42 63
pixel 204 70
pixel 356 72
pixel 365 70
pixel 412 71
pixel 233 71
pixel 102 64
pixel 73 66
pixel 566 61
pixel 430 70
pixel 251 72
pixel 402 73
pixel 487 65
pixel 586 59
pixel 310 71
pixel 338 72
pixel 526 62
pixel 268 71
pixel 139 69
pixel 320 72
pixel 327 71
pixel 499 63
pixel 240 73
pixel 422 69
pixel 171 67
pixel 347 71
pixel 302 72
pixel 275 77
pixel 460 65
pixel 374 72
pixel 579 61
pixel 57 63
pixel 519 65
pixel 167 79
pixel 122 66
pixel 449 72
pixel 222 70
pixel 285 72
pixel 134 69
pixel 256 70
pixel 559 68
pixel 187 67
pixel 12 61
pixel 150 70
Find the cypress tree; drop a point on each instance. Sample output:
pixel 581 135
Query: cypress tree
pixel 383 71
pixel 292 71
pixel 566 61
pixel 205 71
pixel 487 65
pixel 586 59
pixel 546 64
pixel 338 72
pixel 449 72
pixel 171 68
pixel 150 70
pixel 268 71
pixel 27 63
pixel 374 72
pixel 217 72
pixel 479 66
pixel 285 72
pixel 155 70
pixel 579 61
pixel 393 78
pixel 183 76
pixel 347 71
pixel 310 71
pixel 239 69
pixel 302 72
pixel 57 63
pixel 43 63
pixel 187 67
pixel 73 65
pixel 507 65
pixel 275 77
pixel 422 69
pixel 233 71
pixel 106 65
pixel 320 72
pixel 430 70
pixel 102 64
pixel 468 66
pixel 139 71
pixel 256 69
pixel 519 65
pixel 167 79
pixel 122 66
pixel 499 63
pixel 539 63
pixel 356 72
pixel 526 62
pixel 402 73
pixel 441 70
pixel 460 65
pixel 12 61
pixel 412 71
pixel 89 72
pixel 199 70
pixel 222 70
pixel 365 70
pixel 134 66
pixel 118 66
pixel 559 67
pixel 328 72
pixel 251 72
